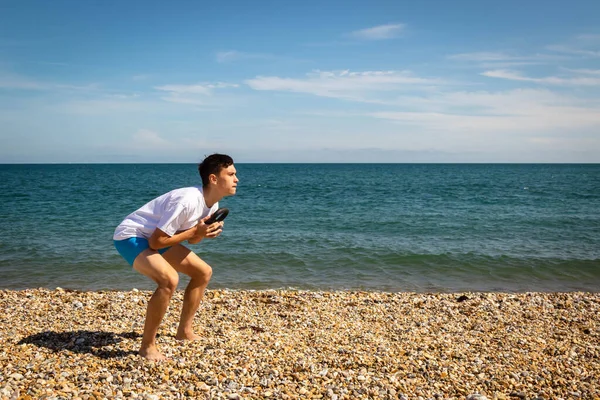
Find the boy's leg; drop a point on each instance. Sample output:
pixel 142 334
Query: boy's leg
pixel 187 262
pixel 154 266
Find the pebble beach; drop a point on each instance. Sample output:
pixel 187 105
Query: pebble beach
pixel 290 344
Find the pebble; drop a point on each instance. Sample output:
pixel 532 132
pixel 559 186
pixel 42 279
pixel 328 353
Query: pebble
pixel 476 396
pixel 301 344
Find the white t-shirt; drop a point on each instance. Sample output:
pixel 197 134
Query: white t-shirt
pixel 177 210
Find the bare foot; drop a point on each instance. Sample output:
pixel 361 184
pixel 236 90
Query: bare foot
pixel 187 336
pixel 152 354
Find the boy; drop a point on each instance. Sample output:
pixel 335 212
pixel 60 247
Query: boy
pixel 150 239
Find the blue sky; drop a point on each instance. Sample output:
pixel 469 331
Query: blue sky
pixel 309 81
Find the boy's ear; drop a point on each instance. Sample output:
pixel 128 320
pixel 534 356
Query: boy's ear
pixel 212 178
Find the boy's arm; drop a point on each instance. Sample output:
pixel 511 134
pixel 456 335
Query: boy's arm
pixel 160 239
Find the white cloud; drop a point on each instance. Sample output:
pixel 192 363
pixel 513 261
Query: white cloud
pixel 225 56
pixel 17 82
pixel 141 77
pixel 106 105
pixel 14 81
pixel 148 144
pixel 575 51
pixel 584 46
pixel 341 84
pixel 589 37
pixel 549 80
pixel 497 60
pixel 122 96
pixel 148 138
pixel 380 32
pixel 584 71
pixel 543 119
pixel 234 55
pixel 510 75
pixel 203 89
pixel 483 56
pixel 517 111
pixel 198 103
pixel 507 64
pixel 223 85
pixel 194 95
pixel 189 89
pixel 185 100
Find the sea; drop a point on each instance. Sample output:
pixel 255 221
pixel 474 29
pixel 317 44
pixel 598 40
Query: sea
pixel 358 227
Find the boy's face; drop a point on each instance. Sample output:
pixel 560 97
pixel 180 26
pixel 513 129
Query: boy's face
pixel 227 181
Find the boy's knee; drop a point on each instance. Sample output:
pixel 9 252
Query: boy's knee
pixel 203 274
pixel 169 283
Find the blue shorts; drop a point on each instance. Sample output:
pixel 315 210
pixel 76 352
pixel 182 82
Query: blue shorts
pixel 132 247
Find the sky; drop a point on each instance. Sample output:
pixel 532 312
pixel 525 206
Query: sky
pixel 300 81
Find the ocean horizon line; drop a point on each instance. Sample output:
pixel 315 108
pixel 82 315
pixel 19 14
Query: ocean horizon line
pixel 303 163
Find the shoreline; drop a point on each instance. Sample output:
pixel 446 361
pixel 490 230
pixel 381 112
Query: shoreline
pixel 351 290
pixel 304 344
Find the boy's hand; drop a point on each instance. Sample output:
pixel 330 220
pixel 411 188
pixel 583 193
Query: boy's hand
pixel 213 230
pixel 206 231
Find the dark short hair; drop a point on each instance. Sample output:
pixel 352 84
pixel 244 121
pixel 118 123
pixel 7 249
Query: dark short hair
pixel 213 165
